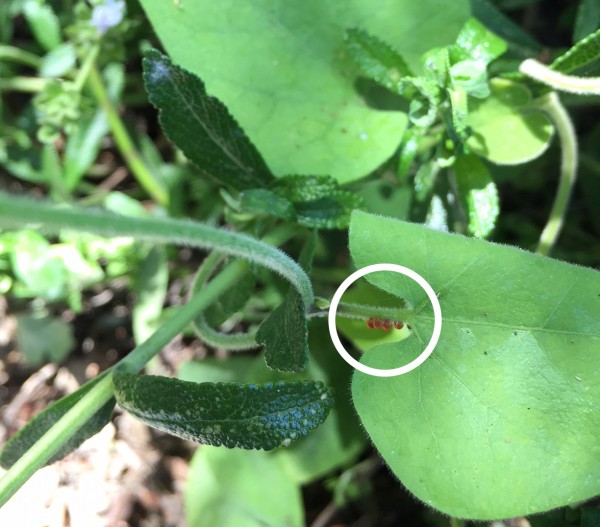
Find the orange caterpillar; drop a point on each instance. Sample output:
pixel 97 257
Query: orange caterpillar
pixel 386 325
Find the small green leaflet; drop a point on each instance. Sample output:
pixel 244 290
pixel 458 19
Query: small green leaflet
pixel 582 54
pixel 284 334
pixel 24 439
pixel 201 126
pixel 251 416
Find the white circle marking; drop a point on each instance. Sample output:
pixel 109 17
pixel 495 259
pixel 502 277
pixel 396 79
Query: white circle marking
pixel 437 320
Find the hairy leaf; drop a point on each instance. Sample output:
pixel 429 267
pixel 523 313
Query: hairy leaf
pixel 284 334
pixel 514 381
pixel 250 416
pixel 582 54
pixel 36 427
pixel 377 59
pixel 201 126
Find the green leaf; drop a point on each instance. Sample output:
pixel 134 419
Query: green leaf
pixel 44 23
pixel 587 20
pixel 36 427
pixel 59 61
pixel 514 381
pixel 476 43
pixel 507 128
pixel 582 54
pixel 334 444
pixel 377 60
pixel 44 338
pixel 284 334
pixel 319 202
pixel 281 69
pixel 201 126
pixel 263 201
pixel 233 488
pixel 478 193
pixel 246 416
pixel 460 114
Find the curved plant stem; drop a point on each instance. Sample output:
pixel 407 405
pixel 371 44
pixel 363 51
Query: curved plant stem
pixel 235 341
pixel 77 416
pixel 559 81
pixel 568 170
pixel 16 211
pixel 132 157
pixel 14 54
pixel 231 341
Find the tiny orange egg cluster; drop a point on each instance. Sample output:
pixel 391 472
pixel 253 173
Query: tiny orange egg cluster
pixel 386 325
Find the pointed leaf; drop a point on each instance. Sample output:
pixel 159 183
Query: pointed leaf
pixel 478 193
pixel 201 126
pixel 377 59
pixel 251 416
pixel 24 439
pixel 587 20
pixel 476 42
pixel 513 384
pixel 580 55
pixel 284 334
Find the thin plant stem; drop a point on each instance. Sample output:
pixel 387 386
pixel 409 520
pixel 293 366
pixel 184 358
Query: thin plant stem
pixel 140 170
pixel 23 84
pixel 568 170
pixel 14 54
pixel 560 81
pixel 457 522
pixel 86 67
pixel 17 211
pixel 90 403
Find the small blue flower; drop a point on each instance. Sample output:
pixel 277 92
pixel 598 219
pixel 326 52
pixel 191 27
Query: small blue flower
pixel 108 15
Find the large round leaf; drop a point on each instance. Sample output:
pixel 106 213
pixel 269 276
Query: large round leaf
pixel 503 419
pixel 282 70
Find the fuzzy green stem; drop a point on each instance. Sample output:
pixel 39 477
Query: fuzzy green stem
pixel 364 311
pixel 16 211
pixel 23 84
pixel 132 157
pixel 560 81
pixel 14 54
pixel 86 67
pixel 37 456
pixel 568 170
pixel 231 341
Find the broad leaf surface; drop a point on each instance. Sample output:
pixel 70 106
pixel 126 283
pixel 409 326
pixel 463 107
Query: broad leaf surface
pixel 233 488
pixel 507 128
pixel 36 427
pixel 201 126
pixel 514 381
pixel 282 70
pixel 233 415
